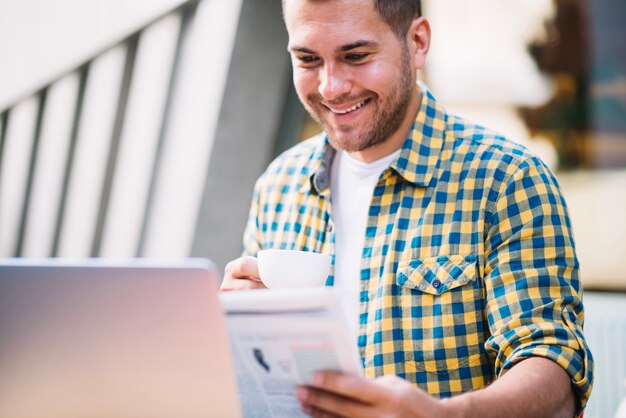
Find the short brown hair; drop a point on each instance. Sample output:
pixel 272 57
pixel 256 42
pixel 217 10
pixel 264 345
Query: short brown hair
pixel 398 14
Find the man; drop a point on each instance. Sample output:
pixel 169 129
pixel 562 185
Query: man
pixel 453 244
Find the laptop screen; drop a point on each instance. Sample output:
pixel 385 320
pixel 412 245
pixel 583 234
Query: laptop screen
pixel 113 339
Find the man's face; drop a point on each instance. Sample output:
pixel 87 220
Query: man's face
pixel 351 72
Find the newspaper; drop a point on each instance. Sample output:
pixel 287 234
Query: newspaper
pixel 279 338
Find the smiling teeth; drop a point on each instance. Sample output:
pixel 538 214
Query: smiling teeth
pixel 350 109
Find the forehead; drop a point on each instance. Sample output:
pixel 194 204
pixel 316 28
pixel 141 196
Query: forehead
pixel 332 22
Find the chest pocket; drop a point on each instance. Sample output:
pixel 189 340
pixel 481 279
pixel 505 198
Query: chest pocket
pixel 436 275
pixel 442 300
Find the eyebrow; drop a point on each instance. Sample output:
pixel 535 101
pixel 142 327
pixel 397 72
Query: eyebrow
pixel 357 44
pixel 301 49
pixel 343 48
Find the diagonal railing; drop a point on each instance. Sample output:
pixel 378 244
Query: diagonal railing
pixel 103 84
pixel 151 146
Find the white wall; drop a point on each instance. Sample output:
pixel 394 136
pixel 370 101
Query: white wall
pixel 187 139
pixel 597 205
pixel 42 39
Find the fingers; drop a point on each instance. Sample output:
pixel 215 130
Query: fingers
pixel 353 387
pixel 240 284
pixel 343 395
pixel 318 413
pixel 242 274
pixel 244 267
pixel 319 403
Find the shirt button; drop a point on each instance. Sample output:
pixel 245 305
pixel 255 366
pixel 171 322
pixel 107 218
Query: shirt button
pixel 329 227
pixel 436 283
pixel 321 181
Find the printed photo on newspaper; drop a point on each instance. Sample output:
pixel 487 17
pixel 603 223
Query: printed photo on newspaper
pixel 279 338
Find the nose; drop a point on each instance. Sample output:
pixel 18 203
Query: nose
pixel 334 82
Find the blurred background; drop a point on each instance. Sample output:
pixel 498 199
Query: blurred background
pixel 137 129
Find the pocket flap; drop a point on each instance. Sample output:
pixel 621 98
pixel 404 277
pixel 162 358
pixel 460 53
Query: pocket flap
pixel 435 275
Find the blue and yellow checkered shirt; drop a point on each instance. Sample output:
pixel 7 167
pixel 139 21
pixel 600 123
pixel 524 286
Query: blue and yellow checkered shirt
pixel 468 265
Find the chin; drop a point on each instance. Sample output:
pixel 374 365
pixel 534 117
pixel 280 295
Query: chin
pixel 347 145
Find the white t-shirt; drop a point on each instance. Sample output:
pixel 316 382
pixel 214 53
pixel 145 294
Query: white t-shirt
pixel 352 184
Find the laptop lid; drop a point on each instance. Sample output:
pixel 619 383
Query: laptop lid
pixel 96 338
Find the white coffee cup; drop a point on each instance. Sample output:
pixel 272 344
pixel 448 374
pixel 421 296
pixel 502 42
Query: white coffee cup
pixel 285 269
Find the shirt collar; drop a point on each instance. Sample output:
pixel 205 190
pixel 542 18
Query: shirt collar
pixel 319 168
pixel 418 157
pixel 420 153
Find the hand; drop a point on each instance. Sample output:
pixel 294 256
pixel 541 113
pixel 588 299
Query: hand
pixel 338 395
pixel 242 274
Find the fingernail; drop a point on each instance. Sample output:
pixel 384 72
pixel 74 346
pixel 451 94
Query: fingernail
pixel 301 393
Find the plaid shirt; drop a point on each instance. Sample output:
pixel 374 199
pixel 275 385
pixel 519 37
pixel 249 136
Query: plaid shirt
pixel 468 264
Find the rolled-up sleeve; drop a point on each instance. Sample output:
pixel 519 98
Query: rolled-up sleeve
pixel 533 289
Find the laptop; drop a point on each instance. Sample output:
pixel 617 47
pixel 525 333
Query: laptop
pixel 96 338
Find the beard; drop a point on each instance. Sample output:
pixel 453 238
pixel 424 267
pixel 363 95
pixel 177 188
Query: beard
pixel 388 117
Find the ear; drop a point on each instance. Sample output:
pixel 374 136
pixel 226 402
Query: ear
pixel 418 41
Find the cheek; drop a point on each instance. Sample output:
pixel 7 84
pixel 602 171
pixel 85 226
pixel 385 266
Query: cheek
pixel 376 77
pixel 305 81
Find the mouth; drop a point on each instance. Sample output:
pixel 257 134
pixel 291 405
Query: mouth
pixel 337 110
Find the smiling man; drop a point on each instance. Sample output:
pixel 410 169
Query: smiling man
pixel 451 244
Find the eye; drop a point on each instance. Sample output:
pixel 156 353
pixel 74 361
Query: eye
pixel 356 56
pixel 307 59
